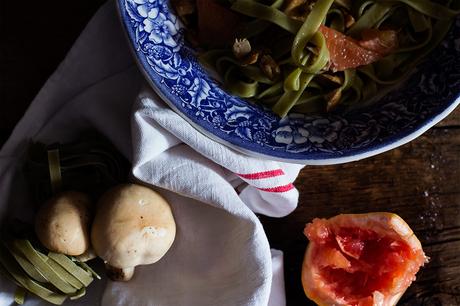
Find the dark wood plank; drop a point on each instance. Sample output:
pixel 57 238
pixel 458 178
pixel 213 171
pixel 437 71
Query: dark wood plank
pixel 419 181
pixel 453 120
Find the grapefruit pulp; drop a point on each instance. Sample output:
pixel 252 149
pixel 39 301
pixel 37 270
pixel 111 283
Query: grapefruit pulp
pixel 347 53
pixel 360 259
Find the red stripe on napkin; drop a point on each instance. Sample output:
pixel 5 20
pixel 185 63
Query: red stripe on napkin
pixel 262 175
pixel 283 188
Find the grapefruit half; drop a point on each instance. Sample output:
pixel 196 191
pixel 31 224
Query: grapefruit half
pixel 360 259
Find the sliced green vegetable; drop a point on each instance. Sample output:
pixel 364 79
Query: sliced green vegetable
pixel 256 74
pixel 292 81
pixel 71 279
pixel 289 98
pixel 35 258
pixel 321 60
pixel 370 18
pixel 309 28
pixel 238 87
pixel 344 3
pixel 29 268
pixel 13 268
pixel 268 13
pixel 20 295
pixel 81 274
pixel 55 169
pixel 429 8
pixel 271 91
pixel 418 21
pixel 420 26
pixel 80 293
pixel 89 269
pixel 337 19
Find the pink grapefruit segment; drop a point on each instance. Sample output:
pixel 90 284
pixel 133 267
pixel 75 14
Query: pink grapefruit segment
pixel 346 52
pixel 360 259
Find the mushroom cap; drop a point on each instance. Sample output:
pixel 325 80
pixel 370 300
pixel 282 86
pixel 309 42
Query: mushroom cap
pixel 133 226
pixel 62 223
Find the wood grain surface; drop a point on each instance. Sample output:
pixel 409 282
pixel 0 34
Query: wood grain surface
pixel 419 181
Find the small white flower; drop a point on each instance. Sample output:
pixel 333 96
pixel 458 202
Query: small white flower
pixel 147 8
pixel 301 136
pixel 284 135
pixel 316 139
pixel 161 30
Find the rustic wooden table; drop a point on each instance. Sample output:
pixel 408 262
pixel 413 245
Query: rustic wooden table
pixel 419 181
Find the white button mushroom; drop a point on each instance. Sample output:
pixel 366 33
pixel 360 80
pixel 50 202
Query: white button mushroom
pixel 62 223
pixel 133 226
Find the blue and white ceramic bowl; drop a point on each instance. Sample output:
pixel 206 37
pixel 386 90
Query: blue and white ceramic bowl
pixel 157 38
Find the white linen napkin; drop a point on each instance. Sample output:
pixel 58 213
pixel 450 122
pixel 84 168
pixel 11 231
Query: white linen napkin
pixel 221 255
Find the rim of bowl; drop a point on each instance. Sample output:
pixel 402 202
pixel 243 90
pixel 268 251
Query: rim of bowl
pixel 350 156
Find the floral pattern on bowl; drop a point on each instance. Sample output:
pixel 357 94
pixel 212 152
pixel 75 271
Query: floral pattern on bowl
pixel 173 70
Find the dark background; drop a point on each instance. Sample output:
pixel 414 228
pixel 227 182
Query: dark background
pixel 34 37
pixel 419 181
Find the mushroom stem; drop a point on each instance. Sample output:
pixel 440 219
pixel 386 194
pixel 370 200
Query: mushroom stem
pixel 119 274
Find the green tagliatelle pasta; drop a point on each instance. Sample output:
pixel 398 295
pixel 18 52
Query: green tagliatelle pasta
pixel 267 13
pixel 296 69
pixel 370 18
pixel 309 28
